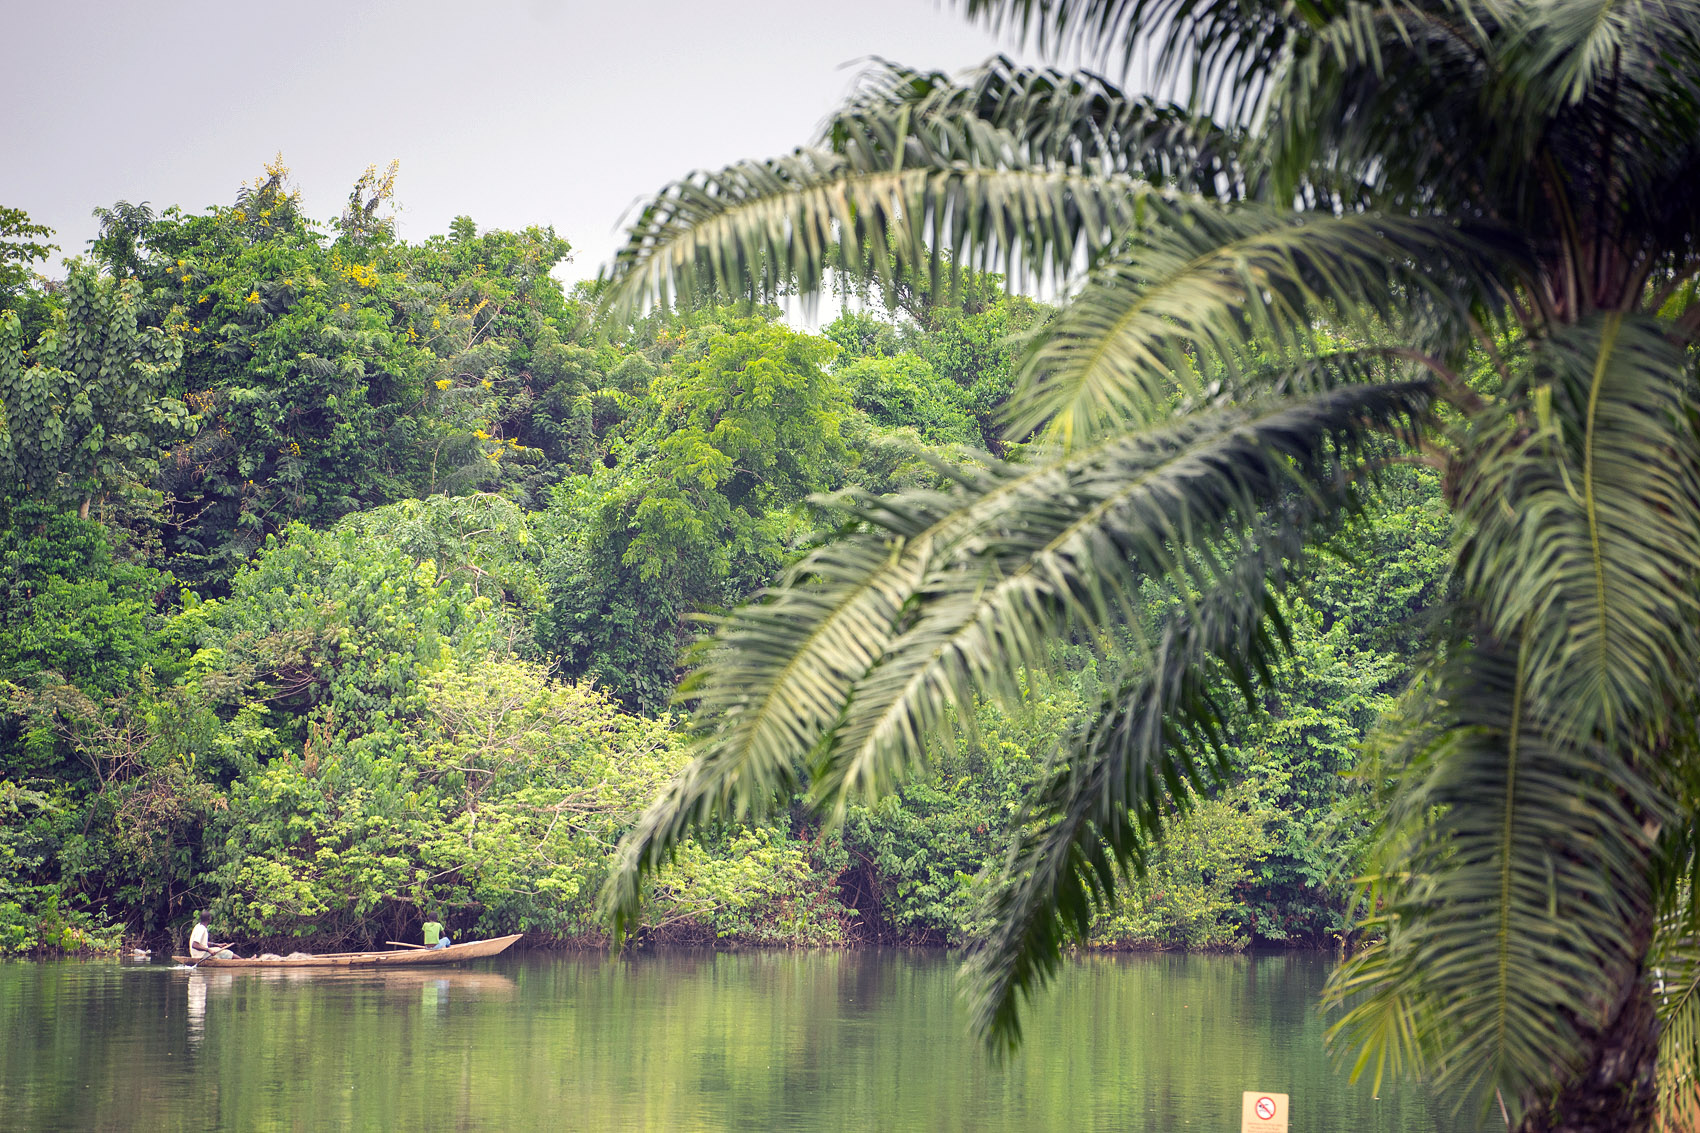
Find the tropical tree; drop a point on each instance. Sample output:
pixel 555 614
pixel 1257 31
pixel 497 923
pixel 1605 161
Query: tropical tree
pixel 19 247
pixel 87 413
pixel 1448 231
pixel 122 243
pixel 740 426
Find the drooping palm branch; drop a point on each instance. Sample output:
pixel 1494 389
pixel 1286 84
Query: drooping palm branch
pixel 1676 974
pixel 1008 556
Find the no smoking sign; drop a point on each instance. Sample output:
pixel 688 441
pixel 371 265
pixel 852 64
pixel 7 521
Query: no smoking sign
pixel 1262 1112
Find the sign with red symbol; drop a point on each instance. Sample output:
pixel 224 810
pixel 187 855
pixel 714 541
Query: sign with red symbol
pixel 1263 1113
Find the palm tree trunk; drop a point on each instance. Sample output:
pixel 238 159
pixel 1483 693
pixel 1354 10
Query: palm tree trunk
pixel 1617 1091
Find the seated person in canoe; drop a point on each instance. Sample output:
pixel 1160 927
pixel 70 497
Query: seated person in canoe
pixel 433 934
pixel 200 947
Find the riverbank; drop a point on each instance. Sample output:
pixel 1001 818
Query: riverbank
pixel 165 945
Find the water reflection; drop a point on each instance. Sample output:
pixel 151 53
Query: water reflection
pixel 393 979
pixel 676 1041
pixel 197 993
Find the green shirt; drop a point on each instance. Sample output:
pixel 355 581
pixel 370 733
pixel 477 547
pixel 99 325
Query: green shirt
pixel 432 931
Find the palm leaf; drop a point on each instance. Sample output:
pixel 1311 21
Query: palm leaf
pixel 1191 295
pixel 1080 120
pixel 1584 532
pixel 1068 545
pixel 1012 553
pixel 1676 986
pixel 1137 764
pixel 1223 51
pixel 757 227
pixel 1510 879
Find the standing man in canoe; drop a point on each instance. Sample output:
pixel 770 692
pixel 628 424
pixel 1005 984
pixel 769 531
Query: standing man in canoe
pixel 434 935
pixel 199 946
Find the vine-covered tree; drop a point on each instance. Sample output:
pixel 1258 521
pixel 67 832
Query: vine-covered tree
pixel 87 411
pixel 1280 282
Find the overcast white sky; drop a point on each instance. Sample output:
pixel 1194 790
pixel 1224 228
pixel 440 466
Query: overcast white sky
pixel 514 112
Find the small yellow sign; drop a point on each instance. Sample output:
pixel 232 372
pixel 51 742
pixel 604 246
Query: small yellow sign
pixel 1262 1112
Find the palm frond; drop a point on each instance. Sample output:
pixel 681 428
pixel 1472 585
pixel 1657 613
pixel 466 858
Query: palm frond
pixel 1193 295
pixel 1383 107
pixel 1584 531
pixel 1675 966
pixel 1223 51
pixel 1080 120
pixel 1565 52
pixel 1509 882
pixel 1136 765
pixel 1557 119
pixel 760 226
pixel 798 649
pixel 1067 545
pixel 945 595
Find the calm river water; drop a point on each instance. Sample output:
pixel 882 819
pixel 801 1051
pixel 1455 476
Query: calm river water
pixel 677 1041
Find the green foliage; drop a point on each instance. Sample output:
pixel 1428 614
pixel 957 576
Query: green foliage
pixel 484 541
pixel 86 415
pixel 19 247
pixel 328 692
pixel 347 626
pixel 36 917
pixel 748 409
pixel 296 373
pixel 968 334
pixel 926 849
pixel 491 803
pixel 903 392
pixel 980 351
pixel 332 371
pixel 1190 893
pixel 71 603
pixel 749 886
pixel 123 236
pixel 702 503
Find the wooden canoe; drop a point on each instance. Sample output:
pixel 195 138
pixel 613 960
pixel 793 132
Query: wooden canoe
pixel 397 958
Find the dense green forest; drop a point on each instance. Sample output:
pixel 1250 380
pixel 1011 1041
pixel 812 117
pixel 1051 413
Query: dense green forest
pixel 347 579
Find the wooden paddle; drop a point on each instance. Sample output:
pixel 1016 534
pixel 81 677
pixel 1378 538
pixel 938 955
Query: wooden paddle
pixel 405 944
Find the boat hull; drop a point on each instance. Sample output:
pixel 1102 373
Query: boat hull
pixel 397 958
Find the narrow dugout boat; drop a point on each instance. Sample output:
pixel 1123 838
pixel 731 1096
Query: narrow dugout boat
pixel 396 958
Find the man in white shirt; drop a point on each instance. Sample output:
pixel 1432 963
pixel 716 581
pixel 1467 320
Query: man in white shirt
pixel 200 947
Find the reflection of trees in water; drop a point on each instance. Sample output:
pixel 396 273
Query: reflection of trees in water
pixel 770 1040
pixel 435 987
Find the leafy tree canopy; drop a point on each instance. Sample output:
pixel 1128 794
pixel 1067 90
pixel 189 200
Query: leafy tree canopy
pixel 20 246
